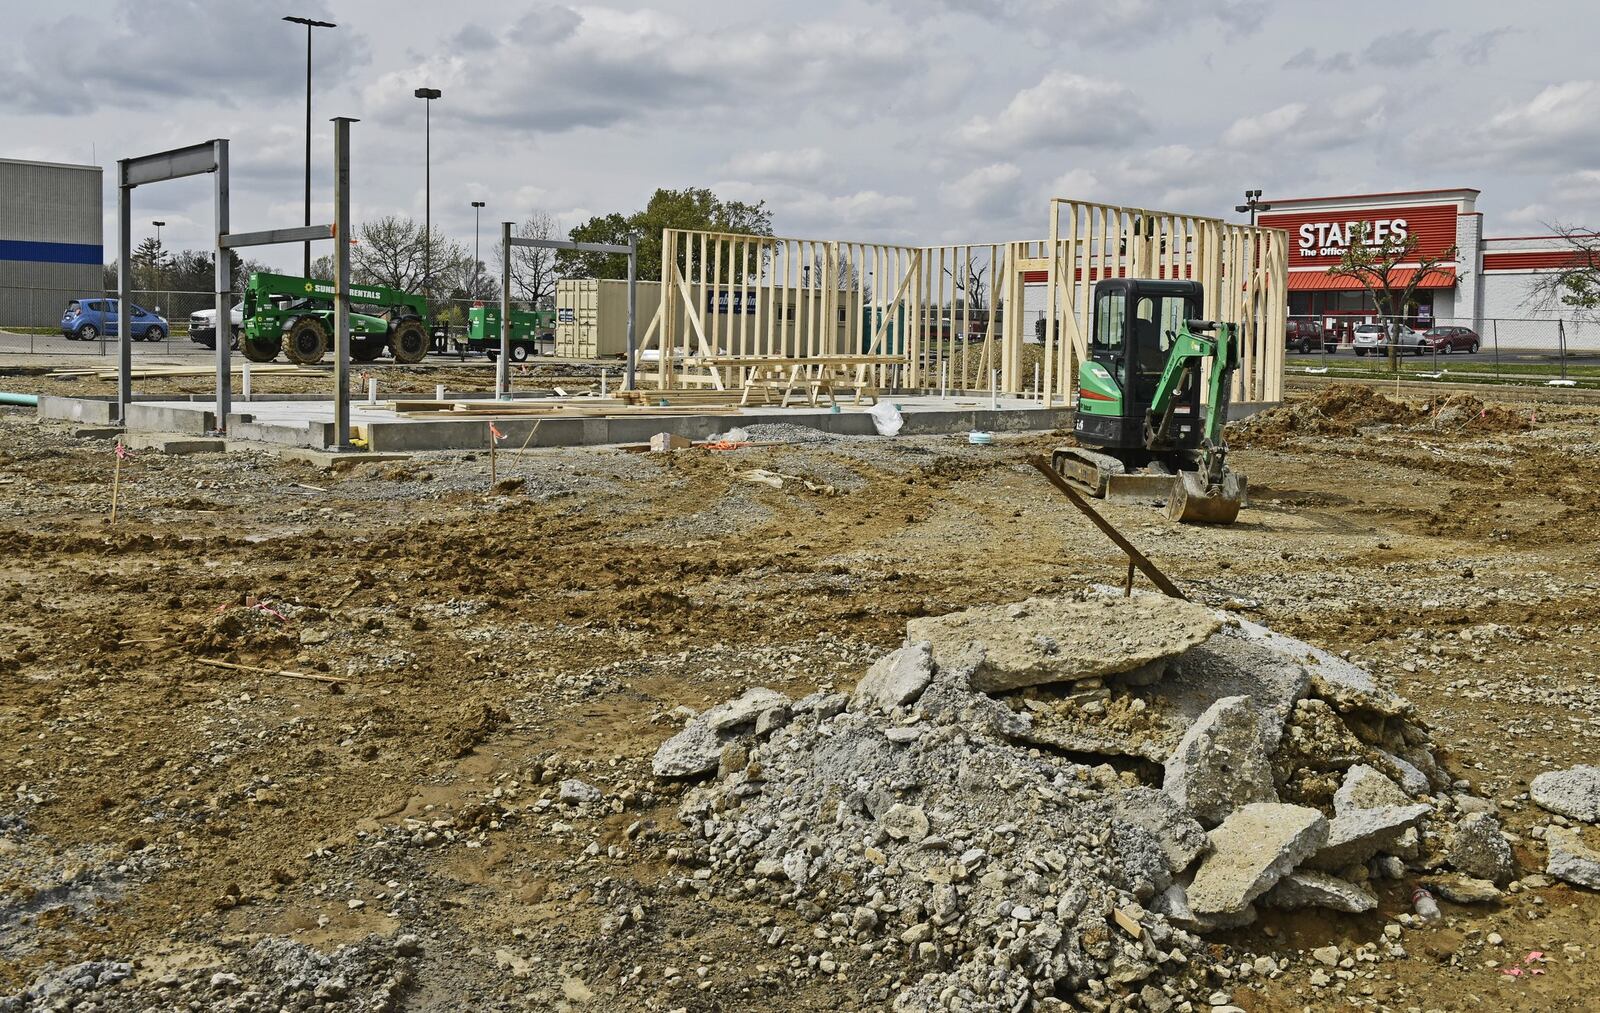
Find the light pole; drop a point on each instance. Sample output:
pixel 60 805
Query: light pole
pixel 158 232
pixel 310 23
pixel 427 95
pixel 477 210
pixel 1252 203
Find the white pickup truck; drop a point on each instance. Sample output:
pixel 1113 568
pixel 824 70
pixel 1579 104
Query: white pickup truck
pixel 203 325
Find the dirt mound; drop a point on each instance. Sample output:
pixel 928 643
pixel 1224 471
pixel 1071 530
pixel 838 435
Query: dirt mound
pixel 1465 413
pixel 1339 410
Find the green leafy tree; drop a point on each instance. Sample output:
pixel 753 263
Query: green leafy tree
pixel 691 209
pixel 1391 271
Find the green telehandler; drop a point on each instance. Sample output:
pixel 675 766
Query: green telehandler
pixel 295 316
pixel 1141 424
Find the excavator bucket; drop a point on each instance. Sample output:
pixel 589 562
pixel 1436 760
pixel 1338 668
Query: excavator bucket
pixel 1194 502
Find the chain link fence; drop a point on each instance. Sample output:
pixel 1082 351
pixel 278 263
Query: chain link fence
pixel 31 319
pixel 1493 348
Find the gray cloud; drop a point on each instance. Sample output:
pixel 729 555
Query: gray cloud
pixel 154 51
pixel 1129 21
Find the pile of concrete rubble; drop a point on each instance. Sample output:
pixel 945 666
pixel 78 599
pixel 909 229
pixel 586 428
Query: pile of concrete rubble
pixel 1050 802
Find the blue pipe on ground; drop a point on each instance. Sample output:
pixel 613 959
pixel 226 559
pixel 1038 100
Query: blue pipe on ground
pixel 26 400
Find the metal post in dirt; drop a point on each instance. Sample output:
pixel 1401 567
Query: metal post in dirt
pixel 502 366
pixel 1561 332
pixel 1496 322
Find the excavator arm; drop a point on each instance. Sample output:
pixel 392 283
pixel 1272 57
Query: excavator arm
pixel 1212 494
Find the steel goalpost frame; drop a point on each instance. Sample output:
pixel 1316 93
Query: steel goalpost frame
pixel 212 157
pixel 502 372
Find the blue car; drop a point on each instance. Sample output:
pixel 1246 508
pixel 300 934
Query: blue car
pixel 88 319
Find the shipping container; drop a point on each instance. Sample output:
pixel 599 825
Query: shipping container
pixel 592 316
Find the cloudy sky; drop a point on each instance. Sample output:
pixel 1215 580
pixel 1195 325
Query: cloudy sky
pixel 899 120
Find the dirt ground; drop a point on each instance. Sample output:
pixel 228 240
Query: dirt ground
pixel 160 810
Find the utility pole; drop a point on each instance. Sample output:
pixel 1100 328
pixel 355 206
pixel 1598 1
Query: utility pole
pixel 310 23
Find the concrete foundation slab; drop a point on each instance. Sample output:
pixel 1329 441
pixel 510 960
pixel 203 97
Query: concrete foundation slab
pixel 327 460
pixel 163 443
pixel 307 422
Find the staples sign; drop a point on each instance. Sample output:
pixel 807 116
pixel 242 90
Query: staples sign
pixel 1331 239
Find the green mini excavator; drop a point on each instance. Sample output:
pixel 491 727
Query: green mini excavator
pixel 1143 426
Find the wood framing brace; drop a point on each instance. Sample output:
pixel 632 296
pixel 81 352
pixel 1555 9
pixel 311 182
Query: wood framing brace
pixel 965 317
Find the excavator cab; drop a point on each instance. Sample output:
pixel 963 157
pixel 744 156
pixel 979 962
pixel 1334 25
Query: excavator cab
pixel 1152 401
pixel 1135 327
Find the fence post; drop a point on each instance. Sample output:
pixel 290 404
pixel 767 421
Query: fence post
pixel 1561 331
pixel 1496 323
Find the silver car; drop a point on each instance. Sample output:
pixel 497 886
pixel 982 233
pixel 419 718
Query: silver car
pixel 1375 338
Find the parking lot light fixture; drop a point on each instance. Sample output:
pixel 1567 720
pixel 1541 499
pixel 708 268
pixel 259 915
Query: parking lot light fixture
pixel 427 95
pixel 310 23
pixel 1252 204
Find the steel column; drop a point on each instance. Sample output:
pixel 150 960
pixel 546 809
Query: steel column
pixel 124 290
pixel 502 367
pixel 224 285
pixel 341 281
pixel 633 286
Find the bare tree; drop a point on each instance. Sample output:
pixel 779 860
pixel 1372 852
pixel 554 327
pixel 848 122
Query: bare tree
pixel 390 252
pixel 533 270
pixel 1576 284
pixel 1390 270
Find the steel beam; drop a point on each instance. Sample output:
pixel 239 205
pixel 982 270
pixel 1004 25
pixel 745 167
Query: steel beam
pixel 566 244
pixel 269 237
pixel 175 164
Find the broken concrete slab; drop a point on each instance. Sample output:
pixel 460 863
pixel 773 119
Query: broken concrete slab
pixel 697 749
pixel 896 679
pixel 1046 640
pixel 1571 860
pixel 1221 764
pixel 1574 792
pixel 1181 837
pixel 1252 850
pixel 1479 849
pixel 1411 778
pixel 1367 787
pixel 1174 903
pixel 1358 835
pixel 1459 889
pixel 745 708
pixel 1306 888
pixel 1241 659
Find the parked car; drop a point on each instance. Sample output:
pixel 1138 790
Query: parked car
pixel 1302 335
pixel 1451 339
pixel 1375 338
pixel 203 325
pixel 87 319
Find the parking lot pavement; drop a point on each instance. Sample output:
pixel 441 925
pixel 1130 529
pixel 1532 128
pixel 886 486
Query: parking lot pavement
pixel 56 345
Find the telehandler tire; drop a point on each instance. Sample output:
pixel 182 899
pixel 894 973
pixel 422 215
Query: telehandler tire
pixel 261 350
pixel 306 341
pixel 409 341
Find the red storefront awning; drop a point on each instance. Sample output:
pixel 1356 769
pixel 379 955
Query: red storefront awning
pixel 1322 281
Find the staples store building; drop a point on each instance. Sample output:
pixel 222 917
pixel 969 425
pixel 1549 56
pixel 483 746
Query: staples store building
pixel 1489 277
